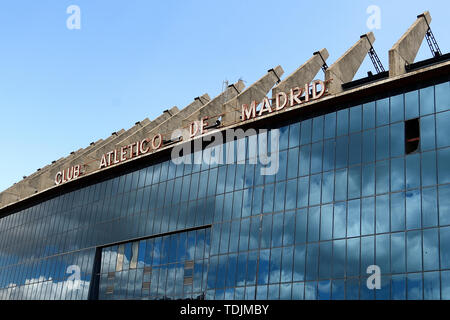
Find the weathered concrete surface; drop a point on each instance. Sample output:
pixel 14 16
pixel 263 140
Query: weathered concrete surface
pixel 406 48
pixel 256 92
pixel 47 177
pixel 345 68
pixel 135 136
pixel 36 181
pixel 175 122
pixel 213 109
pixel 304 74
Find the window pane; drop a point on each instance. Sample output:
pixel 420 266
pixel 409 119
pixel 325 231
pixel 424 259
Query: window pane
pixel 426 100
pixel 442 92
pixel 443 129
pixel 382 112
pixel 330 125
pixel 355 119
pixel 397 112
pixel 427 133
pixel 412 104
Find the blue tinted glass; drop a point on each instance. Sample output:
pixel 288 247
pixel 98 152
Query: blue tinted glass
pixel 368 152
pixel 367 216
pixel 316 157
pixel 383 253
pixel 368 180
pixel 340 185
pixel 355 119
pixel 413 171
pixel 354 218
pixel 369 115
pixel 299 263
pixel 312 255
pixel 300 226
pixel 445 247
pixel 342 122
pixel 382 214
pixel 313 223
pixel 382 144
pixel 397 211
pixel 397 108
pixel 318 123
pixel 340 220
pixel 303 192
pixel 414 251
pixel 304 163
pixel 328 155
pixel 414 286
pixel 397 174
pixel 431 286
pixel 398 287
pixel 429 168
pixel 326 222
pixel 443 129
pixel 397 139
pixel 382 177
pixel 430 249
pixel 444 166
pixel 354 182
pixel 354 149
pixel 398 254
pixel 330 125
pixel 305 136
pixel 382 112
pixel 327 187
pixel 325 260
pixel 353 259
pixel 292 170
pixel 314 189
pixel 294 135
pixel 442 92
pixel 339 258
pixel 413 209
pixel 444 205
pixel 341 152
pixel 426 96
pixel 411 105
pixel 280 191
pixel 427 133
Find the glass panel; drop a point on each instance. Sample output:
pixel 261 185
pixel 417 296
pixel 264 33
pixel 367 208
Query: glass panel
pixel 382 112
pixel 426 100
pixel 411 105
pixel 355 119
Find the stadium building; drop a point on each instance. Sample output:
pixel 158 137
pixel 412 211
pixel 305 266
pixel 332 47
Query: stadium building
pixel 362 178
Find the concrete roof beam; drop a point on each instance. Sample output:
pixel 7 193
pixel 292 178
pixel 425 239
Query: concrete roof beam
pixel 256 92
pixel 346 67
pixel 406 48
pixel 213 109
pixel 304 74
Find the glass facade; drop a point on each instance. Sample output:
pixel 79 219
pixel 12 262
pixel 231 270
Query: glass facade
pixel 346 196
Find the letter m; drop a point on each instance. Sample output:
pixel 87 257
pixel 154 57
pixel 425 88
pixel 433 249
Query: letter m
pixel 248 113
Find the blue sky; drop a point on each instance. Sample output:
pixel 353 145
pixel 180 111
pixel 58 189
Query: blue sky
pixel 61 89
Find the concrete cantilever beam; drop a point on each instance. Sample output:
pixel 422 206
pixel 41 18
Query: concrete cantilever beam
pixel 304 74
pixel 256 92
pixel 214 107
pixel 406 48
pixel 125 140
pixel 176 121
pixel 345 68
pixel 47 178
